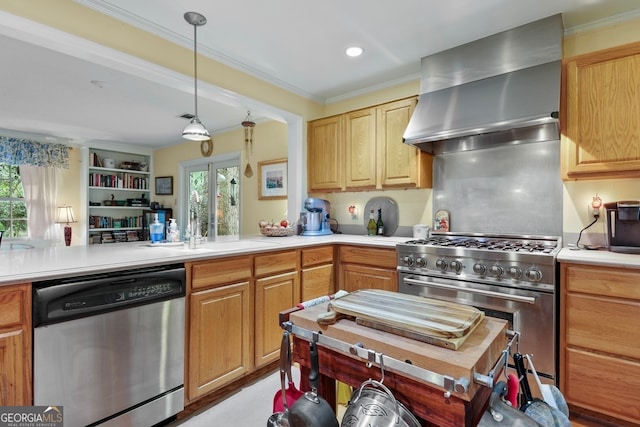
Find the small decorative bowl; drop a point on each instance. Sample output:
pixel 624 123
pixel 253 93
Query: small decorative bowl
pixel 274 231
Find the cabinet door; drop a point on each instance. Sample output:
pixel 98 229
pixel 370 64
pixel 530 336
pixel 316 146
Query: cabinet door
pixel 360 144
pixel 325 159
pixel 15 345
pixel 273 295
pixel 14 390
pixel 354 277
pixel 401 165
pixel 601 131
pixel 317 282
pixel 221 321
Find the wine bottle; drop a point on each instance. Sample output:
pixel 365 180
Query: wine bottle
pixel 380 224
pixel 371 226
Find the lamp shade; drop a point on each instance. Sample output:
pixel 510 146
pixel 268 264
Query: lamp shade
pixel 65 215
pixel 195 131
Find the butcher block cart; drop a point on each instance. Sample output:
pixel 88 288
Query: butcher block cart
pixel 446 382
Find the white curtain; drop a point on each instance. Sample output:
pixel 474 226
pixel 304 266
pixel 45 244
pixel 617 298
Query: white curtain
pixel 40 185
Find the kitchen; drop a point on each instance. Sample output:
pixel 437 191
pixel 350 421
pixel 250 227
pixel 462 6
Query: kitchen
pixel 577 194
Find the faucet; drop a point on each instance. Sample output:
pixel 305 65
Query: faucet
pixel 194 229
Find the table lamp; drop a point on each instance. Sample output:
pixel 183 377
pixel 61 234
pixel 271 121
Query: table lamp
pixel 65 216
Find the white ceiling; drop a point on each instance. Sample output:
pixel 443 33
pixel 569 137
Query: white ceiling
pixel 57 85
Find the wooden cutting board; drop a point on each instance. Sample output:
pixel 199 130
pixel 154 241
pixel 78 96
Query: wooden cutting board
pixel 408 313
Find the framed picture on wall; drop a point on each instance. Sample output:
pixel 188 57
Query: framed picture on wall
pixel 164 185
pixel 272 179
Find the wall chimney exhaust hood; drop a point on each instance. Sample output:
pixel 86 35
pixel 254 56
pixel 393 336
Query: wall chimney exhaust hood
pixel 502 89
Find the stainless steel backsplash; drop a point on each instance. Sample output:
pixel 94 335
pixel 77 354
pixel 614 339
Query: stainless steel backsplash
pixel 511 189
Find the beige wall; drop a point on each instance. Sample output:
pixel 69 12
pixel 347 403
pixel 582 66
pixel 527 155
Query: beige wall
pixel 578 195
pixel 71 192
pixel 270 143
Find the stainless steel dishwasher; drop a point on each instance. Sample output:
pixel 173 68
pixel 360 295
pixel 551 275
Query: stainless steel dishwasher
pixel 109 348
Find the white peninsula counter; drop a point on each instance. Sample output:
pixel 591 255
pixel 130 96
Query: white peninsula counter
pixel 29 265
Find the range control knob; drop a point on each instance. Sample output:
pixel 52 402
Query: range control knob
pixel 496 270
pixel 480 269
pixel 455 266
pixel 534 275
pixel 515 272
pixel 441 264
pixel 408 260
pixel 421 262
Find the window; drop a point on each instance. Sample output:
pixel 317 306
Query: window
pixel 13 208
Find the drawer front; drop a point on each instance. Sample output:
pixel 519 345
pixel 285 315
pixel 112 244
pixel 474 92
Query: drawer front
pixel 603 324
pixel 317 256
pixel 276 262
pixel 610 282
pixel 382 258
pixel 604 384
pixel 221 272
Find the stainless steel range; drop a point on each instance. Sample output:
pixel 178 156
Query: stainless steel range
pixel 513 277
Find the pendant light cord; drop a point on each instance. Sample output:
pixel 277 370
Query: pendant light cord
pixel 195 66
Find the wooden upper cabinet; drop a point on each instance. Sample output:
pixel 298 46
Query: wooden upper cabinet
pixel 601 114
pixel 374 156
pixel 324 154
pixel 360 144
pixel 401 165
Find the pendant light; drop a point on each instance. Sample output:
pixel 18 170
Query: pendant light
pixel 195 130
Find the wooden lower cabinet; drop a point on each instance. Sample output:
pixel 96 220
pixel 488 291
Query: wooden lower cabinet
pixel 367 268
pixel 221 323
pixel 317 273
pixel 273 295
pixel 600 332
pixel 15 346
pixel 234 304
pixel 277 289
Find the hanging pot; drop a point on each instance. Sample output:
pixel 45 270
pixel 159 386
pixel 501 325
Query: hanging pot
pixel 376 406
pixel 311 410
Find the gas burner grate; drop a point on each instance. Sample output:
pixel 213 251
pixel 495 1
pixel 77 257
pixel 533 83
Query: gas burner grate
pixel 506 245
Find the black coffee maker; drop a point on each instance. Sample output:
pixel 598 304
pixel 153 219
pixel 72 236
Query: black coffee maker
pixel 623 226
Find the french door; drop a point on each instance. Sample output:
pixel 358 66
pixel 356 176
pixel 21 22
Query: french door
pixel 213 196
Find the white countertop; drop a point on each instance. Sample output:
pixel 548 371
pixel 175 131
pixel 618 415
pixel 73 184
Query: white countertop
pixel 600 257
pixel 29 265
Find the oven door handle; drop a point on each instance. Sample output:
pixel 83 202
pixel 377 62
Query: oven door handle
pixel 509 297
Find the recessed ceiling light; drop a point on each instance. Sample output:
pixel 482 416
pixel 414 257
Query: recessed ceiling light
pixel 354 51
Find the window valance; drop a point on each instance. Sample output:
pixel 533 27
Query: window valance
pixel 18 151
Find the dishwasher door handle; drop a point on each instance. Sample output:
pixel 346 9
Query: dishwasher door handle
pixel 501 295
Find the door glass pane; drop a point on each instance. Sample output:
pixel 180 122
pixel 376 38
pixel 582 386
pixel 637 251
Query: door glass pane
pixel 227 206
pixel 199 183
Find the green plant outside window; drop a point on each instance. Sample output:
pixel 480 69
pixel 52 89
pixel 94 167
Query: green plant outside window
pixel 13 208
